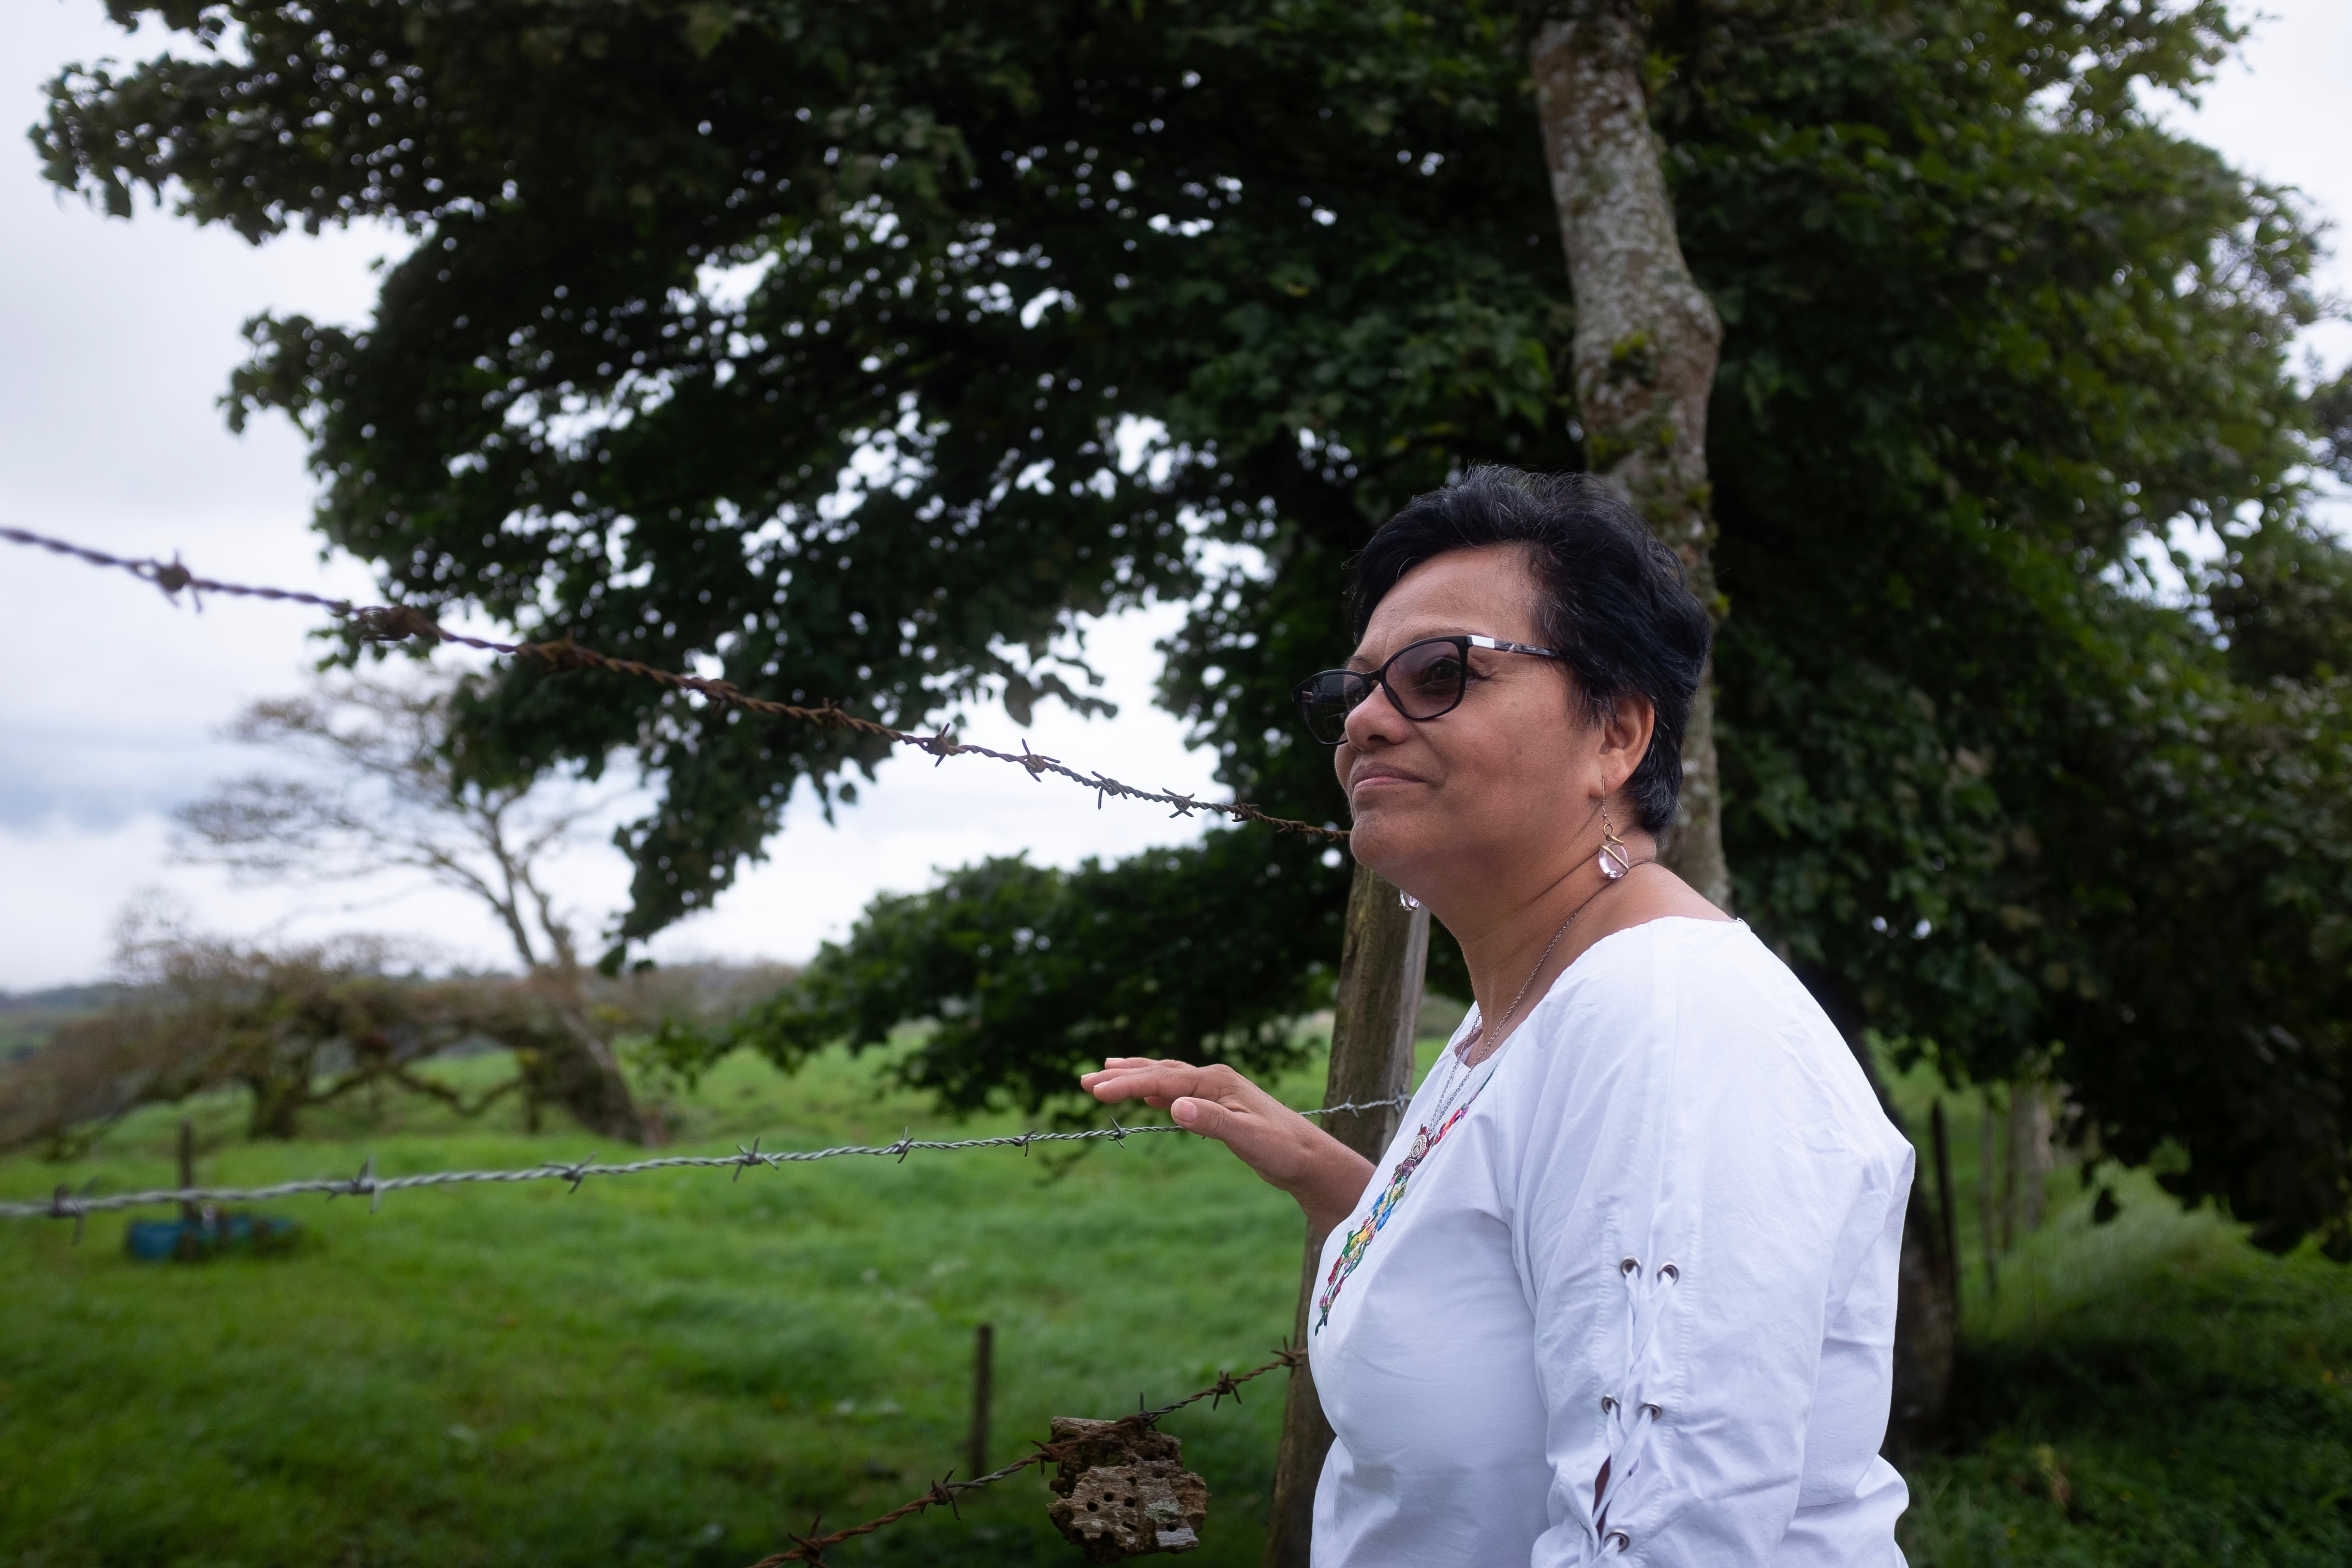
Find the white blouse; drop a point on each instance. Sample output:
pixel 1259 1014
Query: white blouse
pixel 1652 1243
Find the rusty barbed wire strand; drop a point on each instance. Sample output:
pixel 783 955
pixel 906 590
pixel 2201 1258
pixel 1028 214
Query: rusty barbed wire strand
pixel 811 1548
pixel 64 1204
pixel 397 623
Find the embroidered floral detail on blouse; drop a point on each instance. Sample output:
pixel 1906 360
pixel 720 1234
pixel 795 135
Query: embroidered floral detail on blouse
pixel 1360 1240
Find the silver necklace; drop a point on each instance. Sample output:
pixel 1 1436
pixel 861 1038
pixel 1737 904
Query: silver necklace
pixel 1458 1077
pixel 1461 1053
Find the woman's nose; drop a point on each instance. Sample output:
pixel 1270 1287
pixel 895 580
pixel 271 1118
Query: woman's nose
pixel 1376 721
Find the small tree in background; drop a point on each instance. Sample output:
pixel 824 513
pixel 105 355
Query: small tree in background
pixel 301 1026
pixel 389 791
pixel 295 1026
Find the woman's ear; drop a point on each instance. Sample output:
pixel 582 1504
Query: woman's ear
pixel 1625 739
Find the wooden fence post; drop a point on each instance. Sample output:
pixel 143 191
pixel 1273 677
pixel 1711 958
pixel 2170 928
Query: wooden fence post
pixel 983 1393
pixel 1381 961
pixel 1943 1143
pixel 188 1212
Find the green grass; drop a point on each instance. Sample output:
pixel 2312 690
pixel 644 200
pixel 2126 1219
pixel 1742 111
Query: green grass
pixel 676 1369
pixel 2147 1392
pixel 672 1368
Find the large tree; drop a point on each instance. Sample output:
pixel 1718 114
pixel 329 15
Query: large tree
pixel 2002 788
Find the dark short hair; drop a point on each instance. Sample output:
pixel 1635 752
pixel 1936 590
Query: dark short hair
pixel 1610 596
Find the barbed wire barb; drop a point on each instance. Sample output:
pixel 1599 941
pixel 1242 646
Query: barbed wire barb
pixel 62 1205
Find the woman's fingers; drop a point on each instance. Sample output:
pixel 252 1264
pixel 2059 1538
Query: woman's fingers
pixel 1281 1146
pixel 1205 1116
pixel 1158 1082
pixel 1116 1068
pixel 1214 1102
pixel 1275 1141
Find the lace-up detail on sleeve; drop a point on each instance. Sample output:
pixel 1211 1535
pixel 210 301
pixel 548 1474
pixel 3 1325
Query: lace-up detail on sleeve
pixel 1634 1410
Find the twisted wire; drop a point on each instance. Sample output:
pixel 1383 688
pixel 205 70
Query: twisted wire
pixel 397 623
pixel 65 1204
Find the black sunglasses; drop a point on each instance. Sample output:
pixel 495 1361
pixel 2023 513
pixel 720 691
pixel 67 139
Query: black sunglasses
pixel 1424 680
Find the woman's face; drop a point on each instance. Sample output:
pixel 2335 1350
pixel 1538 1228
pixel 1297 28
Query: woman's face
pixel 1511 777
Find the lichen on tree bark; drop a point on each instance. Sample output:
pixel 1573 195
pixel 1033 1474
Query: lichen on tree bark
pixel 1646 337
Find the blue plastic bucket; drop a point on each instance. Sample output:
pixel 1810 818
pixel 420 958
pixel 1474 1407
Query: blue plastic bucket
pixel 170 1240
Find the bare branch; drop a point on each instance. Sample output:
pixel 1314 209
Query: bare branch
pixel 388 796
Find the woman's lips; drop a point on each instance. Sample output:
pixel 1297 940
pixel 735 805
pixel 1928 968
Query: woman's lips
pixel 1375 777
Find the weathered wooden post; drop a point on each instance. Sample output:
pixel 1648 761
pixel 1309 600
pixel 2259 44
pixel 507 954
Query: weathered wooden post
pixel 1382 961
pixel 983 1393
pixel 1943 1205
pixel 188 1211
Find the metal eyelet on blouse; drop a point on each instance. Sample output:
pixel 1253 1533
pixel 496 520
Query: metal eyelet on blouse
pixel 1624 1541
pixel 1631 1265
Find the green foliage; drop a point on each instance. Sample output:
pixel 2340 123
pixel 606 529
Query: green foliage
pixel 2283 597
pixel 2143 1388
pixel 1991 332
pixel 1101 961
pixel 2331 408
pixel 2150 1394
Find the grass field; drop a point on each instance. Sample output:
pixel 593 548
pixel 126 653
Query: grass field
pixel 2151 1391
pixel 677 1369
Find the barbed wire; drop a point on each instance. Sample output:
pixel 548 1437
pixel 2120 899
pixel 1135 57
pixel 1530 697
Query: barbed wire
pixel 65 1204
pixel 397 623
pixel 943 1493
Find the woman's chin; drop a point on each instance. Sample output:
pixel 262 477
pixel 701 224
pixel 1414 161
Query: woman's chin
pixel 1387 841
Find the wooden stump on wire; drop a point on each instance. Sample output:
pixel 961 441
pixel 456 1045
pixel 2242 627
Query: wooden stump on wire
pixel 1381 961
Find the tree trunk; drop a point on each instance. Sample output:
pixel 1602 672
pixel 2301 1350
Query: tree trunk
pixel 1987 1223
pixel 582 1073
pixel 1382 961
pixel 278 1100
pixel 2026 1184
pixel 1646 340
pixel 588 1083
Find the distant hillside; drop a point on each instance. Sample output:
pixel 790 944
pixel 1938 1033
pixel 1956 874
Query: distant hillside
pixel 27 1019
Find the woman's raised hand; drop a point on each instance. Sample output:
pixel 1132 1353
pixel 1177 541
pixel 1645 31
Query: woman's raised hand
pixel 1284 1147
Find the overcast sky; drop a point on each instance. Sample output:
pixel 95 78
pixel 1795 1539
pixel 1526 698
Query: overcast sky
pixel 116 340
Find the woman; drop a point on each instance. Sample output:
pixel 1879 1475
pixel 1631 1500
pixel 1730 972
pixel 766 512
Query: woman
pixel 1624 1283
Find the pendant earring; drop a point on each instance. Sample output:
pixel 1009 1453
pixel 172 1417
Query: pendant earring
pixel 1615 858
pixel 1407 900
